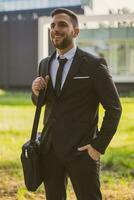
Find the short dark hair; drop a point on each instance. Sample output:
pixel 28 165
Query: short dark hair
pixel 70 13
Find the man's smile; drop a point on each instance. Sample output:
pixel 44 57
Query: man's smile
pixel 57 36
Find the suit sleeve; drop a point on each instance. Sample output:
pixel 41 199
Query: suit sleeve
pixel 108 96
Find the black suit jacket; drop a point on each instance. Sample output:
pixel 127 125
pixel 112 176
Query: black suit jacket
pixel 71 120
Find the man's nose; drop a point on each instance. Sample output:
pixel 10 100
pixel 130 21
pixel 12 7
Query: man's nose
pixel 56 27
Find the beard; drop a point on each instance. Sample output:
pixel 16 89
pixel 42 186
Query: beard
pixel 64 43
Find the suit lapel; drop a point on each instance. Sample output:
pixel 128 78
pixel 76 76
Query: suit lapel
pixel 76 64
pixel 77 61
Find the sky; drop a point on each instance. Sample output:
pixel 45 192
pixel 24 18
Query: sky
pixel 102 6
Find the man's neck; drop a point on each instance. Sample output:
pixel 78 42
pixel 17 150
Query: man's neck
pixel 63 51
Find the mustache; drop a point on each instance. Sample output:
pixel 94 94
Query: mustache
pixel 58 34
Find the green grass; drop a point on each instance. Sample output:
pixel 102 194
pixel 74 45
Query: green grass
pixel 16 117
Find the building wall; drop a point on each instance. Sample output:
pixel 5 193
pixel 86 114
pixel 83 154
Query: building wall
pixel 18 53
pixel 19 50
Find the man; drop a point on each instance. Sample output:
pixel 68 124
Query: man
pixel 71 142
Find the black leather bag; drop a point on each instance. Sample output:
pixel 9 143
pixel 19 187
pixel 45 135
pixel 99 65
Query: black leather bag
pixel 30 156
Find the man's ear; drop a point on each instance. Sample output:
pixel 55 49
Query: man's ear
pixel 76 32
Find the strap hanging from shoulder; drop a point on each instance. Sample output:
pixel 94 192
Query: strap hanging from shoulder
pixel 41 97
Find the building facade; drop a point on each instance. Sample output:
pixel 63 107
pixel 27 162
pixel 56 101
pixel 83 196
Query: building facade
pixel 24 40
pixel 19 36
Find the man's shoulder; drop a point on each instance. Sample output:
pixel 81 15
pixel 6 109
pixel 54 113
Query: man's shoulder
pixel 43 66
pixel 89 57
pixel 44 60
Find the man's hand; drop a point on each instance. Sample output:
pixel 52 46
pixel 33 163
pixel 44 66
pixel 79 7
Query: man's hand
pixel 93 153
pixel 39 84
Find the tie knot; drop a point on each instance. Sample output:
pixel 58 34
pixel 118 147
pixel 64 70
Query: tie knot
pixel 62 61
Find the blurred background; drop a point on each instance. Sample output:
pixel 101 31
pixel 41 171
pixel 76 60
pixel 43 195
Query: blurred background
pixel 107 30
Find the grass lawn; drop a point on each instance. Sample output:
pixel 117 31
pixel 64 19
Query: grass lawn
pixel 16 117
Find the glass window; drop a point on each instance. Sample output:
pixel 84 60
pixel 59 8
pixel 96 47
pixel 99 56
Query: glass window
pixel 114 44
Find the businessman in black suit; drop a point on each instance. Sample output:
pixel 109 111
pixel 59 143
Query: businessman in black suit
pixel 76 82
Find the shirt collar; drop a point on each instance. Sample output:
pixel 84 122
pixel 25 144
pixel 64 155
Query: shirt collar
pixel 69 55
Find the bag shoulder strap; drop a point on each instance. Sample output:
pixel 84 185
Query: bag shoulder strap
pixel 43 69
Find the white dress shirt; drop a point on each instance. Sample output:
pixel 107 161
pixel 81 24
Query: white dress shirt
pixel 55 64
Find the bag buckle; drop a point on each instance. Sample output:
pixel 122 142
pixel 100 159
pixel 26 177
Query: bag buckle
pixel 26 153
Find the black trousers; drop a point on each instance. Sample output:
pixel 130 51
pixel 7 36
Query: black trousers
pixel 83 173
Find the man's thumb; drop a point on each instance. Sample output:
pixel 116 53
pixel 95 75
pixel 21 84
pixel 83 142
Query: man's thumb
pixel 83 148
pixel 47 78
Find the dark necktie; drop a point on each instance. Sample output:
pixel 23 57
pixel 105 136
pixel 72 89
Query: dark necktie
pixel 59 75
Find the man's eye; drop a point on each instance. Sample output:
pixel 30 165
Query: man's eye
pixel 63 24
pixel 52 26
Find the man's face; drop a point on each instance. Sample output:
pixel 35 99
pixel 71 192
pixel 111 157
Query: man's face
pixel 62 31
